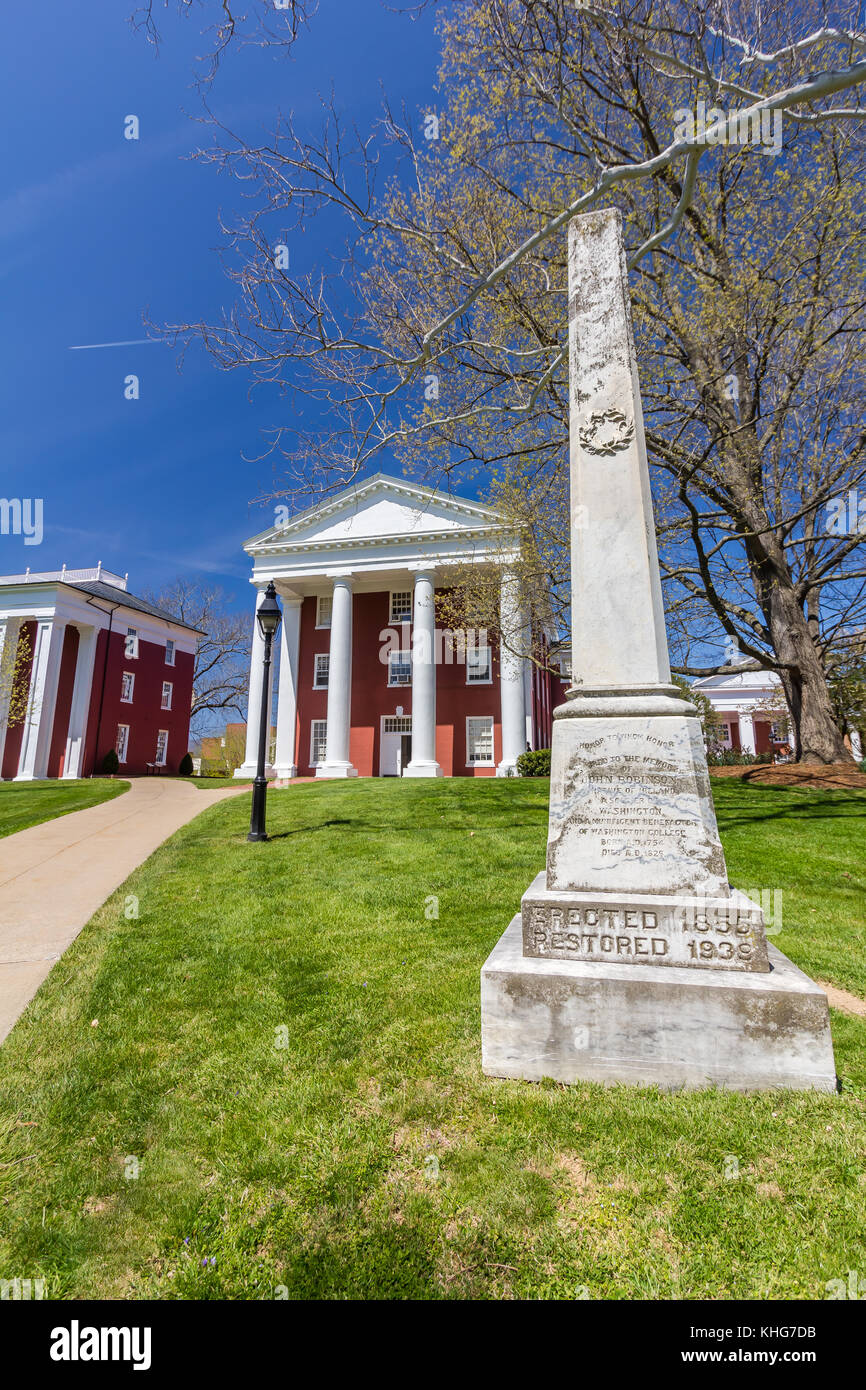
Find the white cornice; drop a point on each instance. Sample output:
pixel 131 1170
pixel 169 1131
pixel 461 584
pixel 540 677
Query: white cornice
pixel 449 536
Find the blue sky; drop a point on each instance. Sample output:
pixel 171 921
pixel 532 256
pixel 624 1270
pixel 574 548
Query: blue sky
pixel 95 230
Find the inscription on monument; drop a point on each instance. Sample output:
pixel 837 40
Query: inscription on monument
pixel 628 805
pixel 722 935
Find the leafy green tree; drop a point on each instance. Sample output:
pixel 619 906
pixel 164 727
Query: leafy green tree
pixel 727 135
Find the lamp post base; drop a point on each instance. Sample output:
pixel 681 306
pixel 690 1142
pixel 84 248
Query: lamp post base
pixel 257 814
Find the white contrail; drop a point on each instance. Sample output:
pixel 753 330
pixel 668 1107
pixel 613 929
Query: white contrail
pixel 129 342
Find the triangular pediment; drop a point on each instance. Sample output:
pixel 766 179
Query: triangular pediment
pixel 380 508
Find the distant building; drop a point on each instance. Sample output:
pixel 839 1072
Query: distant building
pixel 753 712
pixel 101 669
pixel 751 708
pixel 225 751
pixel 368 684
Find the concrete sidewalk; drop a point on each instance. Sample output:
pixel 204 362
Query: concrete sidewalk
pixel 55 875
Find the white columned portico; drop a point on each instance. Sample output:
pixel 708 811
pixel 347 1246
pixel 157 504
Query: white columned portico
pixel 249 766
pixel 747 733
pixel 75 735
pixel 512 689
pixel 423 763
pixel 10 631
pixel 337 762
pixel 39 720
pixel 287 690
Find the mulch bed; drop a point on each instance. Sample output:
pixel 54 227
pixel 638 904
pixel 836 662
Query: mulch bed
pixel 844 776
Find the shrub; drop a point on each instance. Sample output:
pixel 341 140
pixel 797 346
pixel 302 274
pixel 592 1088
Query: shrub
pixel 732 757
pixel 186 768
pixel 535 764
pixel 111 762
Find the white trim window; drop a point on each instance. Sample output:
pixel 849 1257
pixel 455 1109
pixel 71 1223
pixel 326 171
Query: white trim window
pixel 169 652
pixel 121 743
pixel 127 685
pixel 161 748
pixel 167 689
pixel 324 610
pixel 320 673
pixel 396 723
pixel 130 644
pixel 401 606
pixel 479 740
pixel 478 666
pixel 318 741
pixel 399 668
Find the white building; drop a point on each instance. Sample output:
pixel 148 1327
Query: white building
pixel 751 707
pixel 753 712
pixel 368 684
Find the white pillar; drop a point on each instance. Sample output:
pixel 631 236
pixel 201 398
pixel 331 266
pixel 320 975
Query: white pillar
pixel 856 746
pixel 511 687
pixel 287 692
pixel 39 720
pixel 747 733
pixel 336 762
pixel 80 707
pixel 423 763
pixel 10 631
pixel 528 677
pixel 250 764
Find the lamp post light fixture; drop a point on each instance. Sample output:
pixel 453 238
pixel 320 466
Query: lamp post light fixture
pixel 268 616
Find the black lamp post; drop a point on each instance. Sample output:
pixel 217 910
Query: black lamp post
pixel 269 620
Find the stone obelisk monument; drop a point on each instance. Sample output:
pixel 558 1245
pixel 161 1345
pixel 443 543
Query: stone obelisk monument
pixel 632 959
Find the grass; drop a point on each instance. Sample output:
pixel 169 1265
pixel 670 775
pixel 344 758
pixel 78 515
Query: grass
pixel 29 803
pixel 284 1046
pixel 212 783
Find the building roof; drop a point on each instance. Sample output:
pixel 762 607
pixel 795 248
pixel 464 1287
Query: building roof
pixel 98 589
pixel 734 679
pixel 98 583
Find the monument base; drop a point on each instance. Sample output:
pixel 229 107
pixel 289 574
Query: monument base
pixel 669 1026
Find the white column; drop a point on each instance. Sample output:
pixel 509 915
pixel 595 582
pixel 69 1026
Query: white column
pixel 39 720
pixel 423 763
pixel 511 687
pixel 336 762
pixel 747 733
pixel 528 676
pixel 80 708
pixel 10 631
pixel 856 746
pixel 287 692
pixel 249 766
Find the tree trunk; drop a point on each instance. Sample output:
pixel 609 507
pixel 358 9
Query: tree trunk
pixel 817 736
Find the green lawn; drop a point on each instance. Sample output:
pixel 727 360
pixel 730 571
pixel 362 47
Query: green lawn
pixel 211 783
pixel 287 1053
pixel 29 803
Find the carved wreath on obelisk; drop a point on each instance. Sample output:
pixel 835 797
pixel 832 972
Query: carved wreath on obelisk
pixel 607 432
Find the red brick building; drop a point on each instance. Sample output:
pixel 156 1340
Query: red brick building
pixel 368 684
pixel 101 668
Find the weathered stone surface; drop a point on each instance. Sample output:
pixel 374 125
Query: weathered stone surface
pixel 630 808
pixel 647 1025
pixel 710 933
pixel 618 626
pixel 632 959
